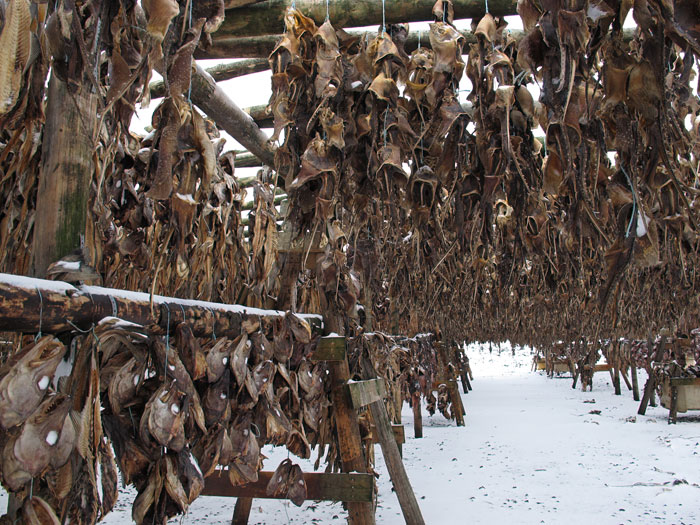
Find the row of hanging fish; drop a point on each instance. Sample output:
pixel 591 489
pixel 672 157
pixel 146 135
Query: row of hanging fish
pixel 164 411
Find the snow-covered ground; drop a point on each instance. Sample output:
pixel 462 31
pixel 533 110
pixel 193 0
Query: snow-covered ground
pixel 532 452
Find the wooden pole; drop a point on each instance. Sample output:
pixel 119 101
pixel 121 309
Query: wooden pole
pixel 228 46
pixel 220 72
pixel 211 99
pixel 635 383
pixel 241 511
pixel 30 305
pixel 67 166
pixel 399 479
pixel 417 416
pixel 349 439
pixel 268 17
pixel 646 398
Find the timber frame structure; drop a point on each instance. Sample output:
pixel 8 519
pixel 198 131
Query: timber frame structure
pixel 554 199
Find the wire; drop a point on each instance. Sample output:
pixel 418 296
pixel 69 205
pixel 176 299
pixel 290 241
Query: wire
pixel 634 202
pixel 41 314
pixel 167 340
pixel 383 16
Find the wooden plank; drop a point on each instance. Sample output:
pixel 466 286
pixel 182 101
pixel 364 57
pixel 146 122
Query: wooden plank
pixel 392 457
pixel 320 486
pixel 448 383
pixel 349 439
pixel 241 512
pixel 398 431
pixel 362 393
pixel 685 381
pixel 330 348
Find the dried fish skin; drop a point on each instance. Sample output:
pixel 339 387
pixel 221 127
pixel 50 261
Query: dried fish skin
pixel 297 486
pixel 47 437
pixel 163 417
pixel 26 382
pixel 36 511
pixel 218 359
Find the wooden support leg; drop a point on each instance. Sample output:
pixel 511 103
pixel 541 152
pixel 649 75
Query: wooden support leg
pixel 469 385
pixel 623 372
pixel 652 397
pixel 417 416
pixel 648 391
pixel 673 412
pixel 616 380
pixel 635 383
pixel 349 439
pixel 399 479
pixel 241 512
pixel 457 405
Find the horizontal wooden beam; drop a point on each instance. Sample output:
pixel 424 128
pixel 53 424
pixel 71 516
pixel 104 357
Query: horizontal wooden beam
pixel 330 348
pixel 320 486
pixel 268 17
pixel 224 46
pixel 211 99
pixel 685 381
pixel 220 73
pixel 366 392
pixel 32 305
pixel 398 430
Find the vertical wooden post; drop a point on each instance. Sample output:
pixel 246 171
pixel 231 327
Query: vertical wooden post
pixel 349 439
pixel 616 379
pixel 673 409
pixel 457 406
pixel 67 167
pixel 241 512
pixel 417 416
pixel 635 382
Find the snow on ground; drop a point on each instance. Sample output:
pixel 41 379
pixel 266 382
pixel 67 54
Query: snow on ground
pixel 532 452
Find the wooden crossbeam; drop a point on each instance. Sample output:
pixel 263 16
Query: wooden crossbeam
pixel 398 430
pixel 320 486
pixel 365 392
pixel 229 46
pixel 268 17
pixel 685 381
pixel 30 305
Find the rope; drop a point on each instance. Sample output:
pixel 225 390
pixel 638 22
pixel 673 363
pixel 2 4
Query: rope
pixel 328 16
pixel 486 4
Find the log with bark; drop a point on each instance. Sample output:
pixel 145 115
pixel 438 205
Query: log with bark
pixel 268 17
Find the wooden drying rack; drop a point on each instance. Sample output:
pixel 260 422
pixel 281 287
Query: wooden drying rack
pixel 37 305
